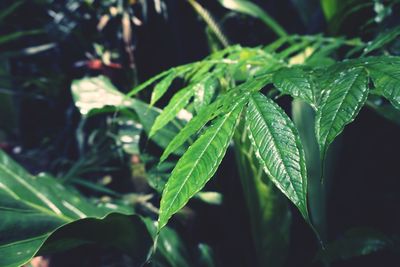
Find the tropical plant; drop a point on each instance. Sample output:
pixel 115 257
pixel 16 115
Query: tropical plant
pixel 237 99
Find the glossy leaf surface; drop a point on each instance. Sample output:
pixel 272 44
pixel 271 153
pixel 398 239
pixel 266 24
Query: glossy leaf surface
pixel 278 148
pixel 386 77
pixel 297 83
pixel 344 99
pixel 198 164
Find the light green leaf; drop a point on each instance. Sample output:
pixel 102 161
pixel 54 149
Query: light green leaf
pixel 222 103
pixel 204 92
pixel 344 99
pixel 192 127
pixel 161 87
pixel 297 83
pixel 278 147
pixel 198 164
pixel 35 212
pixel 176 104
pixel 147 116
pixel 386 77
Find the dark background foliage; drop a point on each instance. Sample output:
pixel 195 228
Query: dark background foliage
pixel 42 120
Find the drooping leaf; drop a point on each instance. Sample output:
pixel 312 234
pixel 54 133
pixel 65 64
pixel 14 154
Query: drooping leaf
pixel 297 83
pixel 278 148
pixel 354 243
pixel 267 208
pixel 198 164
pixel 386 77
pixel 33 208
pixel 161 87
pixel 344 98
pixel 176 104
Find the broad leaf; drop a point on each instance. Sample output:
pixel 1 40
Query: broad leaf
pixel 344 99
pixel 386 77
pixel 198 164
pixel 99 95
pixel 278 147
pixel 297 83
pixel 176 104
pixel 34 208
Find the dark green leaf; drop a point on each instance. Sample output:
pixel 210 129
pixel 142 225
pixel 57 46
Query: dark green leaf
pixel 34 208
pixel 358 242
pixel 381 40
pixel 344 98
pixel 386 77
pixel 297 83
pixel 278 147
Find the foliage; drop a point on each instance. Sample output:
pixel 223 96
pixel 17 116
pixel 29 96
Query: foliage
pixel 164 140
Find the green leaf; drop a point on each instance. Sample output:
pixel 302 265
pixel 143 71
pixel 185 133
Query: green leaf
pixel 161 87
pixel 147 83
pixel 98 94
pixel 10 9
pixel 354 243
pixel 386 77
pixel 16 35
pixel 91 94
pixel 198 164
pixel 223 103
pixel 382 39
pixel 34 208
pixel 297 83
pixel 176 104
pixel 251 9
pixel 204 92
pixel 147 117
pixel 192 127
pixel 170 247
pixel 278 147
pixel 344 99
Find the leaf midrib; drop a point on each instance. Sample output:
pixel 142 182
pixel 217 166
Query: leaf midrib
pixel 280 155
pixel 33 205
pixel 356 77
pixel 200 156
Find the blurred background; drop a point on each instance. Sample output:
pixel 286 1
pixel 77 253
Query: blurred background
pixel 47 44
